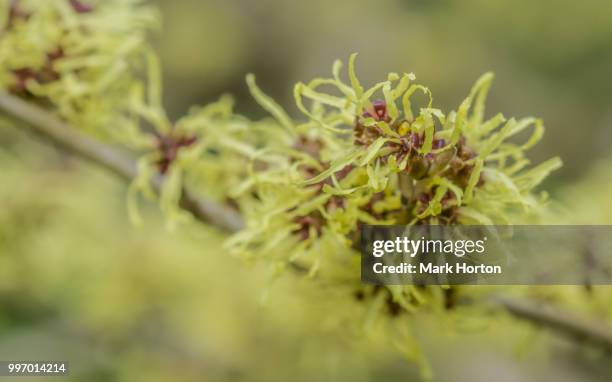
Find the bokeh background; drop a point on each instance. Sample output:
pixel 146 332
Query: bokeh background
pixel 126 303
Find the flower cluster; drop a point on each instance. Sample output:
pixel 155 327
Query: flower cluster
pixel 89 62
pixel 369 156
pixel 77 57
pixel 204 151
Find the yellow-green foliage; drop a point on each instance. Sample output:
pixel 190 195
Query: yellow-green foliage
pixel 357 160
pixel 81 56
pixel 207 150
pixel 343 168
pixel 361 156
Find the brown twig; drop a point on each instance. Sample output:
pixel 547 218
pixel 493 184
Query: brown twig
pixel 111 158
pixel 578 328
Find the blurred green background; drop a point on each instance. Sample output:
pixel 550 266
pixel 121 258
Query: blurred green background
pixel 127 303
